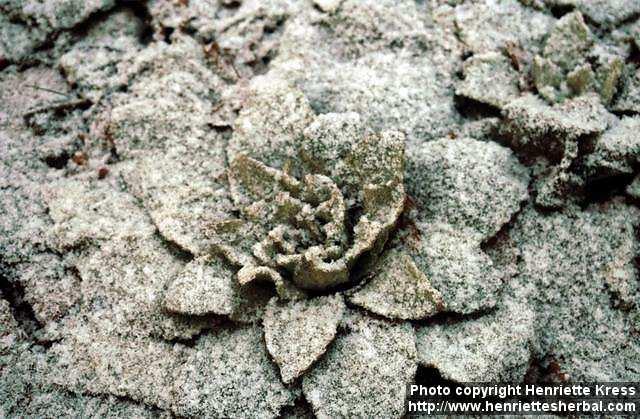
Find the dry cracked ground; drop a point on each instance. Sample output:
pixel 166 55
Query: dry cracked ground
pixel 225 208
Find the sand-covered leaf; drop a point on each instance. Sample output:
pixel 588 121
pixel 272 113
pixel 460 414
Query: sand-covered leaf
pixel 91 212
pixel 271 122
pixel 125 280
pixel 399 290
pixel 577 273
pixel 184 192
pixel 572 63
pixel 298 332
pixel 229 374
pixel 456 266
pixel 467 183
pixel 534 126
pixel 490 69
pixel 617 151
pixel 205 285
pixel 493 348
pixel 629 99
pixel 371 351
pixel 486 26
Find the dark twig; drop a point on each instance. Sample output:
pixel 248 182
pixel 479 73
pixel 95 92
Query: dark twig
pixel 57 106
pixel 33 86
